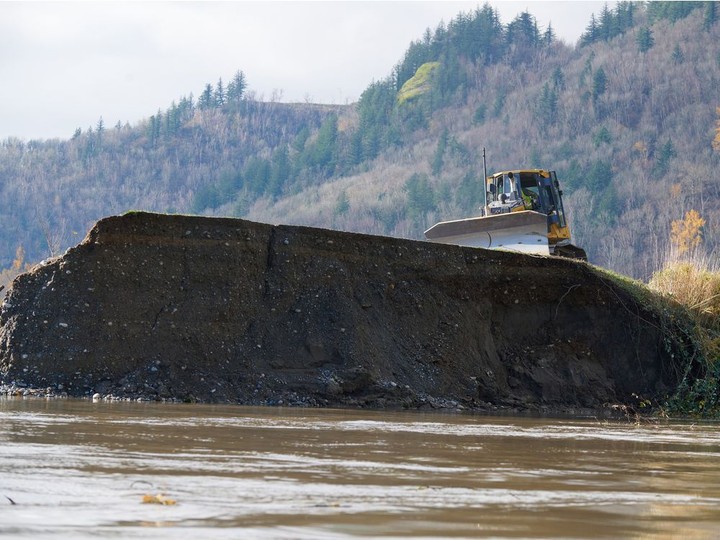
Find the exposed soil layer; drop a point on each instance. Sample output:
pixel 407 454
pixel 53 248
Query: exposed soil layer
pixel 227 310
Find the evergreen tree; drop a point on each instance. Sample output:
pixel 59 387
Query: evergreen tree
pixel 301 138
pixel 154 128
pixel 666 154
pixel 480 114
pixel 206 197
pixel 371 143
pixel 280 168
pixel 427 37
pixel 645 39
pixel 602 136
pixel 417 54
pixel 677 55
pixel 460 153
pixel 587 68
pixel 591 33
pixel 438 157
pixel 598 89
pixel 206 100
pixel 599 84
pixel 469 195
pixel 219 94
pixel 549 35
pixel 449 79
pixel 323 153
pixel 186 107
pixel 439 37
pixel 625 15
pixel 375 108
pixel 523 30
pixel 99 133
pixel 499 104
pixel 236 88
pixel 522 37
pixel 228 186
pixel 605 25
pixel 547 105
pixel 256 174
pixel 355 147
pixel 599 176
pixel 711 15
pixel 172 120
pixel 421 197
pixel 343 204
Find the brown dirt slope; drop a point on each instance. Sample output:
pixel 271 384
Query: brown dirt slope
pixel 227 310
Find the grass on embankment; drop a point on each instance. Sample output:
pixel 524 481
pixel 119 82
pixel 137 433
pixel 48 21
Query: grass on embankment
pixel 694 283
pixel 686 292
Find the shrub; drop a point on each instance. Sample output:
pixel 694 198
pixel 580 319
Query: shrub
pixel 18 266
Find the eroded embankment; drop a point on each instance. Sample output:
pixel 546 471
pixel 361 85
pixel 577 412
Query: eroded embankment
pixel 207 309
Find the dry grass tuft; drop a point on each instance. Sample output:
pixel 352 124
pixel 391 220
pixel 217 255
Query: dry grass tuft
pixel 692 280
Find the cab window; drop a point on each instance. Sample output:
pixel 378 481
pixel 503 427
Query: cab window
pixel 530 191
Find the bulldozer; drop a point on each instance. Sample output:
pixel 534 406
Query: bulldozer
pixel 523 211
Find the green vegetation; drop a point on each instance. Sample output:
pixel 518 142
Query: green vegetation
pixel 645 39
pixel 421 197
pixel 672 11
pixel 610 24
pixel 419 84
pixel 343 203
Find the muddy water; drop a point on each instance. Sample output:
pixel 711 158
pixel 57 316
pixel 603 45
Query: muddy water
pixel 77 469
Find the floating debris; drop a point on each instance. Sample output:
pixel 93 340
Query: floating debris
pixel 158 499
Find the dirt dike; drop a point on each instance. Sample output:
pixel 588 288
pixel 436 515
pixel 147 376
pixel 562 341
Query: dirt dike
pixel 226 310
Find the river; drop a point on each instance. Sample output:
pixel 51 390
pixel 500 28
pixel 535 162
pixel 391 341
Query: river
pixel 78 469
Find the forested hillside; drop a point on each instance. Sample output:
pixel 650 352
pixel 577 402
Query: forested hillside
pixel 627 117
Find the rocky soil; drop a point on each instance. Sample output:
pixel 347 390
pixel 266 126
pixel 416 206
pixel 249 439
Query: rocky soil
pixel 224 310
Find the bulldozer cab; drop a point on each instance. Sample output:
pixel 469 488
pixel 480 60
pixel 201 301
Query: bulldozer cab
pixel 526 190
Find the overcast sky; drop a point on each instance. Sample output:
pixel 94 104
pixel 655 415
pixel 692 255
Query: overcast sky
pixel 63 65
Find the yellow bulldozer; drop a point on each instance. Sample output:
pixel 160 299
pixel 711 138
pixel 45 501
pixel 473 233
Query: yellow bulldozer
pixel 523 211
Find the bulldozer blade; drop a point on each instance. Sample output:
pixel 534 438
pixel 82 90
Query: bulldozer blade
pixel 524 231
